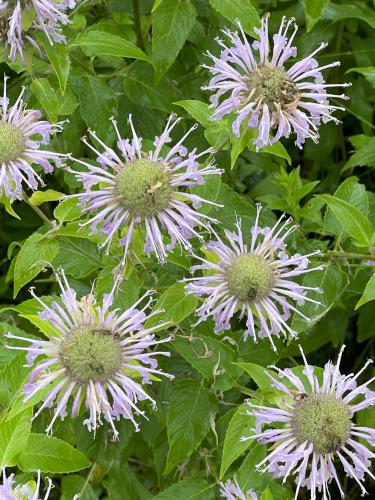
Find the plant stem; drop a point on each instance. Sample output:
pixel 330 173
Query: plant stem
pixel 350 255
pixel 137 24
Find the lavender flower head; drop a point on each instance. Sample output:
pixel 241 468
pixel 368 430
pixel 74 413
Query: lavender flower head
pixel 231 491
pixel 266 94
pixel 145 188
pixel 22 133
pixel 316 427
pixel 48 16
pixel 254 279
pixel 95 356
pixel 25 491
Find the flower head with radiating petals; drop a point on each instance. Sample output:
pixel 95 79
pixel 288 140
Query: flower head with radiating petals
pixel 317 426
pixel 29 491
pixel 146 188
pixel 46 15
pixel 231 491
pixel 262 91
pixel 254 279
pixel 95 356
pixel 22 133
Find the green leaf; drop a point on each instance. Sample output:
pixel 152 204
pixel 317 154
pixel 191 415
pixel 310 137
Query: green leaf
pixel 67 210
pixel 368 292
pixel 186 429
pixel 100 43
pixel 363 157
pixel 73 484
pixel 51 455
pixel 210 357
pixel 14 434
pixel 187 489
pixel 177 305
pixel 8 205
pixel 240 426
pixel 121 482
pixel 12 378
pixel 352 220
pixel 140 87
pixel 59 57
pixel 314 9
pixel 47 97
pixel 36 253
pixel 75 261
pixel 258 374
pixel 368 72
pixel 354 9
pixel 97 102
pixel 243 10
pixel 216 132
pixel 39 197
pixel 171 25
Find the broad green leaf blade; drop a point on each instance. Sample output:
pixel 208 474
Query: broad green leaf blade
pixel 172 22
pixel 97 102
pixel 67 210
pixel 39 197
pixel 363 157
pixel 356 9
pixel 368 292
pixel 37 252
pixel 59 57
pixel 244 10
pixel 352 220
pixel 314 9
pixel 47 97
pixel 239 426
pixel 368 72
pixel 100 43
pixel 188 489
pixel 176 306
pixel 51 455
pixel 186 429
pixel 14 434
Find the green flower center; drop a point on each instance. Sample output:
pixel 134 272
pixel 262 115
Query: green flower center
pixel 249 278
pixel 144 187
pixel 91 354
pixel 322 420
pixel 11 142
pixel 272 86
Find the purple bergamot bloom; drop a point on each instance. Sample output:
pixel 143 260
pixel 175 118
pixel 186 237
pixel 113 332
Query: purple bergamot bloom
pixel 28 491
pixel 95 355
pixel 22 133
pixel 255 279
pixel 266 94
pixel 46 15
pixel 231 491
pixel 150 188
pixel 317 426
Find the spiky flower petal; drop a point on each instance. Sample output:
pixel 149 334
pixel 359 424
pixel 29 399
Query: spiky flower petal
pixel 47 16
pixel 22 133
pixel 314 425
pixel 255 279
pixel 262 91
pixel 148 189
pixel 95 356
pixel 231 491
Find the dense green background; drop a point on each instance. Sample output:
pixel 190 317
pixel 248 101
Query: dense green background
pixel 109 68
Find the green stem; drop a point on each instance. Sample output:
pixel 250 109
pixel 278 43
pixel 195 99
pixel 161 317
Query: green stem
pixel 137 24
pixel 350 255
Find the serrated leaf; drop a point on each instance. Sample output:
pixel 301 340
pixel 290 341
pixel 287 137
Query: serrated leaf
pixel 172 22
pixel 187 489
pixel 39 197
pixel 36 253
pixel 239 426
pixel 14 434
pixel 352 220
pixel 243 10
pixel 186 429
pixel 51 455
pixel 368 292
pixel 177 305
pixel 100 43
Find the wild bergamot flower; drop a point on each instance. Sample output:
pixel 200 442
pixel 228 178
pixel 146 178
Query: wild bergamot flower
pixel 317 426
pixel 254 279
pixel 136 188
pixel 231 491
pixel 97 355
pixel 45 15
pixel 264 92
pixel 21 135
